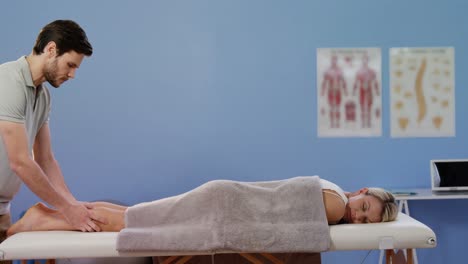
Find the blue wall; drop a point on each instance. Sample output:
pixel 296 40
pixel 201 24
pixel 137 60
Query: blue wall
pixel 182 92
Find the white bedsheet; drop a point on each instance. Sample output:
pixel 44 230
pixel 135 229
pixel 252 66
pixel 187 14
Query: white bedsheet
pixel 405 232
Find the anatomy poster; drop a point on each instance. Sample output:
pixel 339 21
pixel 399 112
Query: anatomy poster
pixel 349 92
pixel 422 92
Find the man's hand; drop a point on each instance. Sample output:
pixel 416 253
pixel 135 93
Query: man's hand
pixel 82 218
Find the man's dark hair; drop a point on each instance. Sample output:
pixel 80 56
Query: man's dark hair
pixel 67 35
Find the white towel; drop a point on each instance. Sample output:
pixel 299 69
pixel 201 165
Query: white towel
pixel 228 216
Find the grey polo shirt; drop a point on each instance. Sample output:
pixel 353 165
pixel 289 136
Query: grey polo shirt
pixel 19 104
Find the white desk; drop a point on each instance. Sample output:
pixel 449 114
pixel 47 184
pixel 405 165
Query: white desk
pixel 404 195
pixel 424 194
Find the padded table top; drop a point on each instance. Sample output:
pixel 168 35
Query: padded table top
pixel 405 232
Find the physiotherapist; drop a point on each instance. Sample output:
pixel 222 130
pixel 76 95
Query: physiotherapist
pixel 25 147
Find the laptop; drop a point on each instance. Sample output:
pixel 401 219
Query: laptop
pixel 449 175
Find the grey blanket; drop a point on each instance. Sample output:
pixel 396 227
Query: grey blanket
pixel 228 216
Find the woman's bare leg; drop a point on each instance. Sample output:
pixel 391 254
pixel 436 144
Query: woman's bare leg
pixel 109 205
pixel 42 218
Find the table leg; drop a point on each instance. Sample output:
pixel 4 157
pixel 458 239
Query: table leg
pixel 389 256
pixel 409 256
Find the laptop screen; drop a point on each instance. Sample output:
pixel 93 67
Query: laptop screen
pixel 450 174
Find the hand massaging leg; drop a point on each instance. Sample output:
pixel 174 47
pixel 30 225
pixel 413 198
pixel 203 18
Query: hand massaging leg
pixel 42 218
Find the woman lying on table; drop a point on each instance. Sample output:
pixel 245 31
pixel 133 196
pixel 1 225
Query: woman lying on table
pixel 367 205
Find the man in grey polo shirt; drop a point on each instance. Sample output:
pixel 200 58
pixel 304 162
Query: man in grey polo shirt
pixel 24 111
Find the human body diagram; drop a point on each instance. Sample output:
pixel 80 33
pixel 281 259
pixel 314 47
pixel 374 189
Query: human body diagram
pixel 349 102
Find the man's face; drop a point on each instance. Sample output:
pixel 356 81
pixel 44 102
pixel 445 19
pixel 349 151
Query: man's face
pixel 60 69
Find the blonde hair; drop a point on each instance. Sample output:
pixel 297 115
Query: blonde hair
pixel 390 209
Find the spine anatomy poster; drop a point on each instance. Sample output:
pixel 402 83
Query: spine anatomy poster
pixel 422 92
pixel 349 92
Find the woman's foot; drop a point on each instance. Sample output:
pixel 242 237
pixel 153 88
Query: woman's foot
pixel 34 219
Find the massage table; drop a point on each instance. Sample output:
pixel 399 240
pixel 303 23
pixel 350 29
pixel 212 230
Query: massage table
pixel 404 233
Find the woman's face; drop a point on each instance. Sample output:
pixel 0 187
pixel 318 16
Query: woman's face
pixel 363 208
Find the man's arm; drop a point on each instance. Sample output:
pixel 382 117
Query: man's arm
pixel 44 157
pixel 21 162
